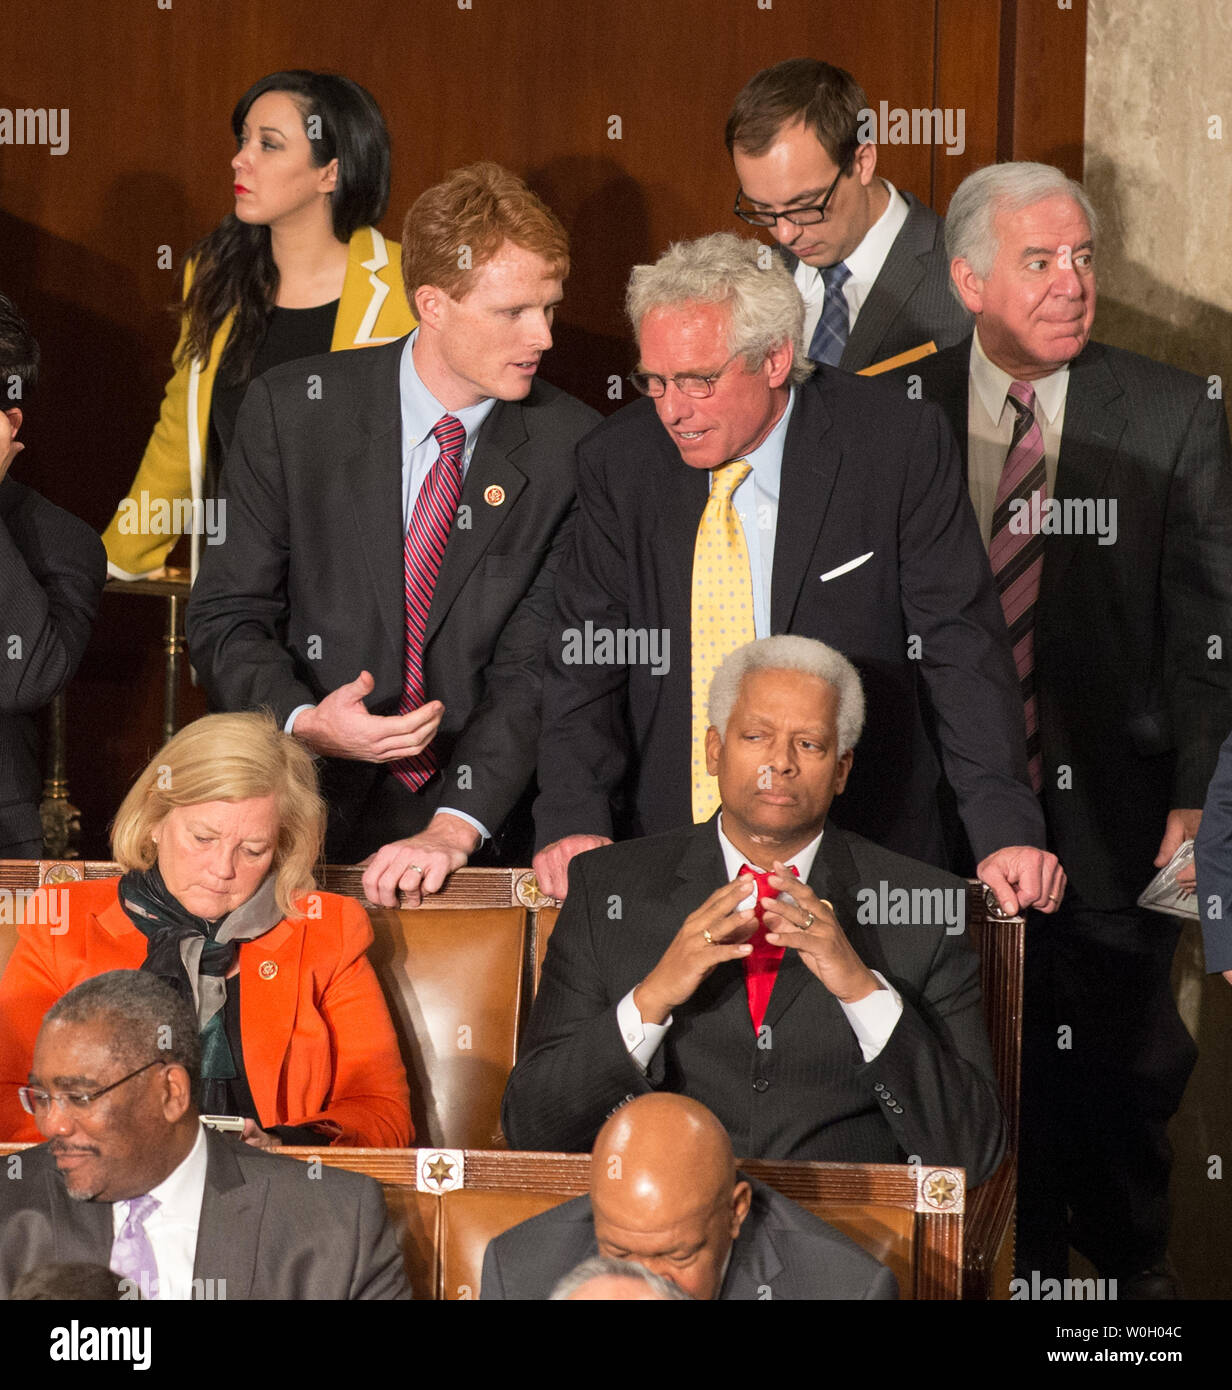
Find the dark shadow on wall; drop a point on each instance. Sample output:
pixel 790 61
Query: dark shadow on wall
pixel 605 213
pixel 1142 312
pixel 97 400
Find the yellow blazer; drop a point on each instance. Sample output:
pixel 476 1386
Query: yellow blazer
pixel 372 309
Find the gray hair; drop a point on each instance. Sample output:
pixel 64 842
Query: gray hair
pixel 784 653
pixel 970 230
pixel 766 308
pixel 150 1021
pixel 606 1267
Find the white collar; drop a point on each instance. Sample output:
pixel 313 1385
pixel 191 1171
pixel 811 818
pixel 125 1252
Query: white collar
pixel 734 860
pixel 992 384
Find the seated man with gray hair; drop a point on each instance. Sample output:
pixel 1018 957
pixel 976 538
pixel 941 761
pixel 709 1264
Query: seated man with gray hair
pixel 831 1012
pixel 130 1178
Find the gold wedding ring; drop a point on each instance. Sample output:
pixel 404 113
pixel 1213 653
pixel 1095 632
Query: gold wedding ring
pixel 809 920
pixel 416 869
pixel 707 938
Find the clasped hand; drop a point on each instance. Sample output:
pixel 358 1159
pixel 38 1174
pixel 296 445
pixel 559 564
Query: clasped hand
pixel 719 931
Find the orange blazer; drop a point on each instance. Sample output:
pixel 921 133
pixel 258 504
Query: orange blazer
pixel 319 1047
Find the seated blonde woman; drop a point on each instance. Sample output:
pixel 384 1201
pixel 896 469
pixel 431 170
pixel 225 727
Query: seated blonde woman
pixel 218 839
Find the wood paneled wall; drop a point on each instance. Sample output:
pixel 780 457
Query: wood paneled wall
pixel 534 84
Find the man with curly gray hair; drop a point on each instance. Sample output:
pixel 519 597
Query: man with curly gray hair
pixel 749 494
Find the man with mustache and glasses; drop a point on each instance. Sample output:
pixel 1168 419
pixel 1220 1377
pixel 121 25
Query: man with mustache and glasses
pixel 130 1178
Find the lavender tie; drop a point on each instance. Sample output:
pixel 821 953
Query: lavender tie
pixel 132 1255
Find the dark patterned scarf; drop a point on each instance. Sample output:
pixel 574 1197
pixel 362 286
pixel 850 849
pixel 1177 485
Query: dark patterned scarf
pixel 193 956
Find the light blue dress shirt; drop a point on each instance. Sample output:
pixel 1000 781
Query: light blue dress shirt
pixel 756 501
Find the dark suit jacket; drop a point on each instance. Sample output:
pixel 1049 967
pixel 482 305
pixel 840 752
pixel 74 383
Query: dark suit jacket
pixel 1133 696
pixel 911 302
pixel 52 571
pixel 782 1252
pixel 803 1090
pixel 865 479
pixel 307 589
pixel 1213 852
pixel 268 1227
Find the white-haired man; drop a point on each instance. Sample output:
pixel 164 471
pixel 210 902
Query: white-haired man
pixel 819 1024
pixel 751 495
pixel 1103 488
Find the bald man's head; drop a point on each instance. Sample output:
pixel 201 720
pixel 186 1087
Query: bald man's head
pixel 664 1193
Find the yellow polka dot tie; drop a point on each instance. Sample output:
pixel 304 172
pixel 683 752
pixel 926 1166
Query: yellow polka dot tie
pixel 722 612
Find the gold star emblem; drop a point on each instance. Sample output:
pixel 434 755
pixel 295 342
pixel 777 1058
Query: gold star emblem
pixel 440 1170
pixel 941 1189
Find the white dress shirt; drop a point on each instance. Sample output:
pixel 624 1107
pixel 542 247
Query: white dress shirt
pixel 420 413
pixel 872 1018
pixel 172 1228
pixel 990 429
pixel 864 263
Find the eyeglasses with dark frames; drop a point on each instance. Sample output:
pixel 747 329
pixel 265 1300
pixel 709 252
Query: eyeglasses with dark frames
pixel 36 1101
pixel 650 384
pixel 798 217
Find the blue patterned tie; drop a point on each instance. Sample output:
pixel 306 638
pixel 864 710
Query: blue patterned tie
pixel 830 335
pixel 132 1255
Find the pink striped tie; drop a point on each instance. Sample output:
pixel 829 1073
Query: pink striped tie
pixel 1017 556
pixel 430 524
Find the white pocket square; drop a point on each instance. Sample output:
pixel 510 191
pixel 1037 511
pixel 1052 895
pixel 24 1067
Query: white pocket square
pixel 850 565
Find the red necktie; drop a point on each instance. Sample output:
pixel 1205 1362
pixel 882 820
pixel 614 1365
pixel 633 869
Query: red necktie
pixel 426 534
pixel 1017 557
pixel 762 967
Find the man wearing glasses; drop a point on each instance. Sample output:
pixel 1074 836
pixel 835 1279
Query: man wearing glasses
pixel 750 495
pixel 130 1179
pixel 869 260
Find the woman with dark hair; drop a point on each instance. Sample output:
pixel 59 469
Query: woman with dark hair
pixel 297 269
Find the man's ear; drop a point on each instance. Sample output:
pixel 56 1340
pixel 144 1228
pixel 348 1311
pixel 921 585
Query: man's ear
pixel 864 163
pixel 969 285
pixel 843 771
pixel 177 1092
pixel 15 418
pixel 714 745
pixel 428 303
pixel 778 363
pixel 742 1197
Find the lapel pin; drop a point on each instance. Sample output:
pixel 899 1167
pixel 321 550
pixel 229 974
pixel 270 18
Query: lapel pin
pixel 494 495
pixel 267 969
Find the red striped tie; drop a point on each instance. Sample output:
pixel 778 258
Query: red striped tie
pixel 431 520
pixel 1017 556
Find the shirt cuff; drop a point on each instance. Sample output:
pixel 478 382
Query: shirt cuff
pixel 873 1018
pixel 289 726
pixel 470 820
pixel 641 1040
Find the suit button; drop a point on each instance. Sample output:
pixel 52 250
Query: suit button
pixel 898 1109
pixel 761 1084
pixel 888 1098
pixel 879 1088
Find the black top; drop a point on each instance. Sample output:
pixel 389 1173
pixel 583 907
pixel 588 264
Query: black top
pixel 239 1095
pixel 289 334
